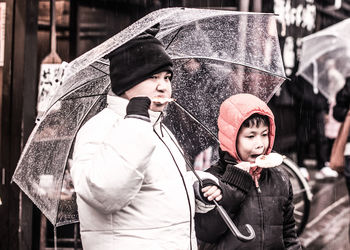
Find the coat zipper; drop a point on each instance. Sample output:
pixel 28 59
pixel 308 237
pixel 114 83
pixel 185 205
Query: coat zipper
pixel 261 217
pixel 182 177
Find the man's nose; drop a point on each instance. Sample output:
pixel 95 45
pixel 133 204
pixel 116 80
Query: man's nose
pixel 161 85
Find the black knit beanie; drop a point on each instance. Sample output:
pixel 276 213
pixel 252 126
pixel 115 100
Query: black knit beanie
pixel 137 60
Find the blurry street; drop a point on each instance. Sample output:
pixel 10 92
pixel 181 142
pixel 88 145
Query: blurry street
pixel 328 224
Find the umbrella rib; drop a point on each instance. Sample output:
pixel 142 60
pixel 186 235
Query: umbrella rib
pixel 102 62
pixel 226 61
pixel 78 97
pixel 80 86
pixel 100 69
pixel 68 93
pixel 178 31
pixel 80 122
pixel 196 120
pixel 105 74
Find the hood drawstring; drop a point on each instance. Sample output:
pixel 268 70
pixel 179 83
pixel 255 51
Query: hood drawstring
pixel 255 172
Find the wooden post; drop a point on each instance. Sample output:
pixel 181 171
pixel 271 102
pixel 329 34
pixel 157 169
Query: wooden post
pixel 18 102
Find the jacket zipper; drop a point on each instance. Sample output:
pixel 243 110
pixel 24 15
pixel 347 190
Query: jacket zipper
pixel 160 119
pixel 182 177
pixel 262 219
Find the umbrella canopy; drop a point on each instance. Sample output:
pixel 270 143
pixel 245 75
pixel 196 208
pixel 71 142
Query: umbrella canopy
pixel 215 53
pixel 325 58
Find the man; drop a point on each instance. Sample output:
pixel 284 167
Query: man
pixel 129 173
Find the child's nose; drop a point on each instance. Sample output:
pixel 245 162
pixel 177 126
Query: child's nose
pixel 259 142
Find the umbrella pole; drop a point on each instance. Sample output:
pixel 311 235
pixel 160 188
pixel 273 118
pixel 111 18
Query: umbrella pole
pixel 55 237
pixel 43 226
pixel 196 120
pixel 221 210
pixel 224 215
pixel 75 236
pixel 233 227
pixel 315 78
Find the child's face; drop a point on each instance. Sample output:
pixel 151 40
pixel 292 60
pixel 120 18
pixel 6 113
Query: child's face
pixel 252 142
pixel 158 85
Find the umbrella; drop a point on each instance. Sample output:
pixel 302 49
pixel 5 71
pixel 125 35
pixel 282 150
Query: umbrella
pixel 237 52
pixel 325 58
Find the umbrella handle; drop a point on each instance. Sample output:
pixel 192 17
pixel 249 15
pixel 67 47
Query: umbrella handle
pixel 233 227
pixel 221 210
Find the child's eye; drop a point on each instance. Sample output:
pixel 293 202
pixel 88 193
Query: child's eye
pixel 250 136
pixel 167 77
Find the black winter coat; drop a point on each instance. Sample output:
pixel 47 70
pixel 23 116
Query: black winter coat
pixel 270 212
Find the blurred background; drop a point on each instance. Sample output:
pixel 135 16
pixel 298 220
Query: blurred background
pixel 27 40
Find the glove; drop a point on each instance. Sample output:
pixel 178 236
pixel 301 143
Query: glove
pixel 138 106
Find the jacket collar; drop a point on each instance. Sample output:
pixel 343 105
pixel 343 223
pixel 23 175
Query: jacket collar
pixel 226 158
pixel 118 105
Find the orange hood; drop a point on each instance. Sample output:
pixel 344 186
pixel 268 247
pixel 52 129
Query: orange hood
pixel 233 112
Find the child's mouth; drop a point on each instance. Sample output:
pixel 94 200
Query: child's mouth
pixel 255 156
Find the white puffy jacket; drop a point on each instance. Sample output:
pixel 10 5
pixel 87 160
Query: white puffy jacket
pixel 129 177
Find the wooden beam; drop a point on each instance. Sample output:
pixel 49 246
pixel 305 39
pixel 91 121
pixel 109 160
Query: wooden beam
pixel 8 227
pixel 73 29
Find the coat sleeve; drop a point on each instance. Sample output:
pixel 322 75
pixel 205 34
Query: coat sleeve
pixel 290 238
pixel 108 168
pixel 235 184
pixel 342 102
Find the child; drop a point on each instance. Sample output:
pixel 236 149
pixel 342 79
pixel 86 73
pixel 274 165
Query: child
pixel 251 195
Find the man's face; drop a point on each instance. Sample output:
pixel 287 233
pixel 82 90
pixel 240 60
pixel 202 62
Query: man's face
pixel 252 142
pixel 158 85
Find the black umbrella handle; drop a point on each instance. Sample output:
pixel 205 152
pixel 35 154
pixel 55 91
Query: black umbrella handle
pixel 233 227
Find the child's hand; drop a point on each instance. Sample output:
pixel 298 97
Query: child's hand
pixel 212 192
pixel 244 165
